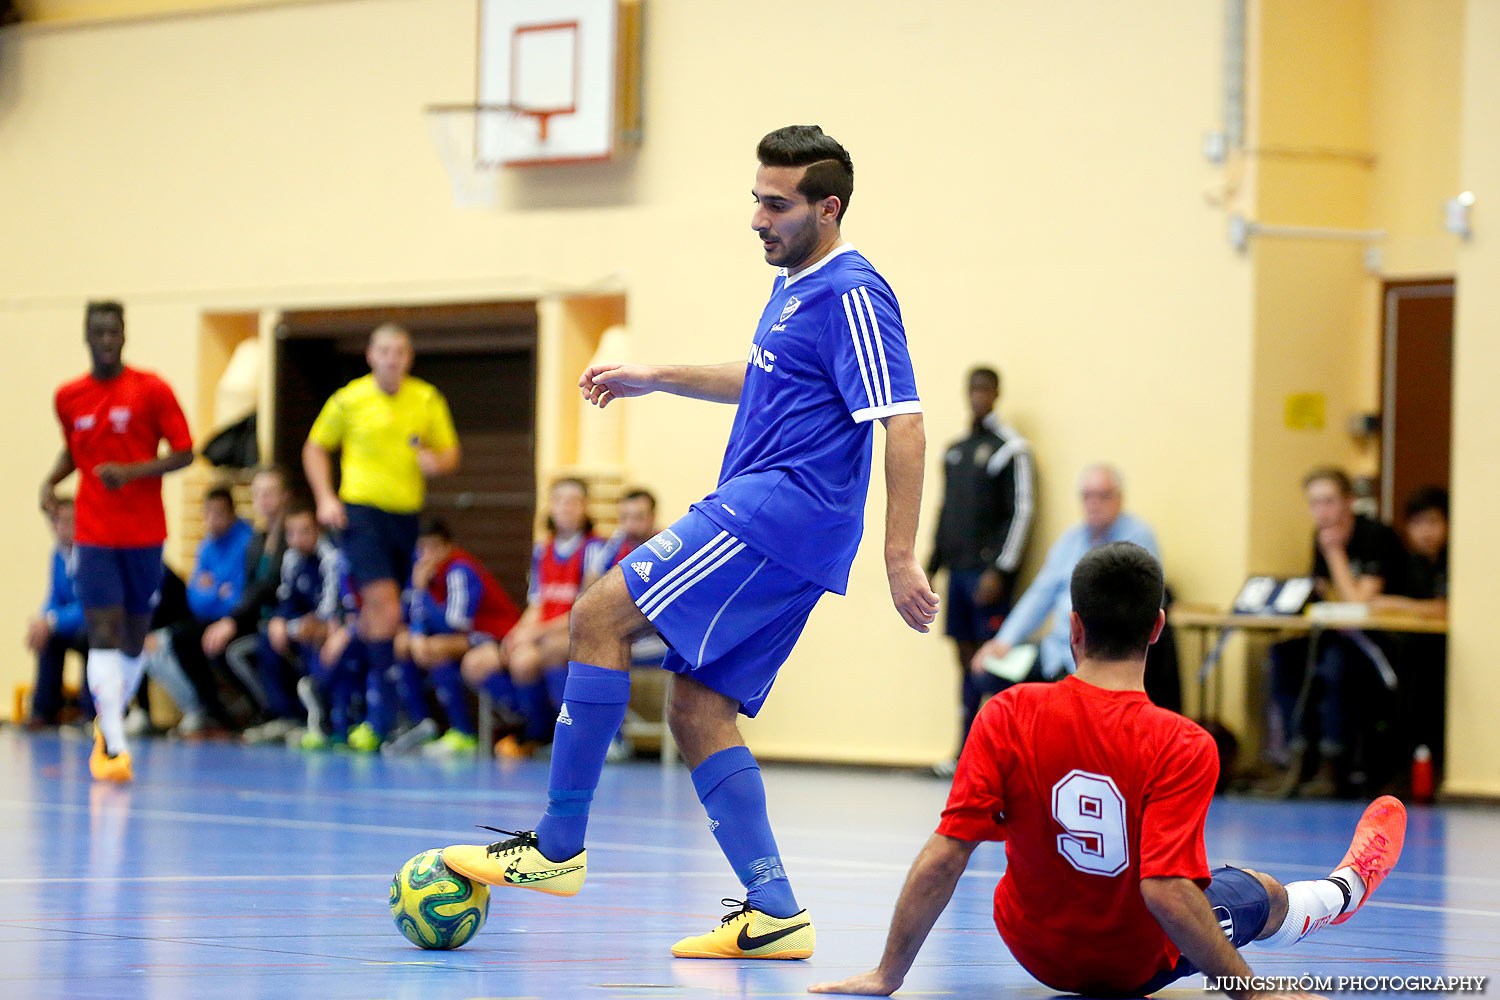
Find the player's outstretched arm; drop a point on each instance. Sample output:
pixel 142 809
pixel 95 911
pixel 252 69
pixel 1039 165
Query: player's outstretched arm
pixel 905 451
pixel 1184 913
pixel 601 384
pixel 929 886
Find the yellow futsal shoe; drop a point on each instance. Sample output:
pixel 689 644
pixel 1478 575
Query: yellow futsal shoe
pixel 106 768
pixel 752 933
pixel 518 862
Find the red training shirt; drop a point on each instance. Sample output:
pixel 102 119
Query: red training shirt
pixel 1092 790
pixel 120 420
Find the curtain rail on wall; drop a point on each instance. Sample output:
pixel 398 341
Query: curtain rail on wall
pixel 1241 229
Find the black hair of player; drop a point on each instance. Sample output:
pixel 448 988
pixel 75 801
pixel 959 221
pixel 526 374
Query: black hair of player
pixel 223 495
pixel 640 494
pixel 1117 592
pixel 988 374
pixel 435 527
pixel 830 171
pixel 1330 474
pixel 104 308
pixel 588 522
pixel 1425 498
pixel 300 508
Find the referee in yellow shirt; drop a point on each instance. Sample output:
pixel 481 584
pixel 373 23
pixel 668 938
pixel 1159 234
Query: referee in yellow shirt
pixel 393 431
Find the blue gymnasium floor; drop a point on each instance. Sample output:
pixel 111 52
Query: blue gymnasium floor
pixel 228 871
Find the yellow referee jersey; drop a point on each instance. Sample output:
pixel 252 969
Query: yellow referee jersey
pixel 378 435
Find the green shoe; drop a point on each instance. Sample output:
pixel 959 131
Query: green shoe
pixel 313 740
pixel 452 744
pixel 364 739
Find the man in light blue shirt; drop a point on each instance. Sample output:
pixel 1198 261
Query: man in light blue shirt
pixel 1104 520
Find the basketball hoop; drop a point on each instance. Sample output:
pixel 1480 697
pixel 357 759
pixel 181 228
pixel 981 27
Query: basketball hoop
pixel 471 140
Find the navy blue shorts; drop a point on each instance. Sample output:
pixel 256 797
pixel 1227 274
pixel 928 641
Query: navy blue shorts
pixel 729 613
pixel 378 545
pixel 118 578
pixel 1241 905
pixel 967 621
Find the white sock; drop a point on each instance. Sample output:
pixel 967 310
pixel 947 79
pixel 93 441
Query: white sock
pixel 1309 907
pixel 134 670
pixel 106 679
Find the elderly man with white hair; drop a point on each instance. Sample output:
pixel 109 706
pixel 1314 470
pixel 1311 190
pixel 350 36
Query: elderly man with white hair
pixel 1104 520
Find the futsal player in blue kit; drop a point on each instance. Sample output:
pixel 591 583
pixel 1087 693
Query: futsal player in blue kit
pixel 730 585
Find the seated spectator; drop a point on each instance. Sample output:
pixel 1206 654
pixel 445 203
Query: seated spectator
pixel 1354 559
pixel 213 592
pixel 287 647
pixel 1102 492
pixel 534 656
pixel 161 666
pixel 238 635
pixel 637 523
pixel 456 606
pixel 1422 666
pixel 336 675
pixel 58 629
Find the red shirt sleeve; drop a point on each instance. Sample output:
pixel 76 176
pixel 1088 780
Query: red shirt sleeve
pixel 169 419
pixel 976 802
pixel 1176 804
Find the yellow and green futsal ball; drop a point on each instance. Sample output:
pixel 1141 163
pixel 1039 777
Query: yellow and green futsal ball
pixel 434 906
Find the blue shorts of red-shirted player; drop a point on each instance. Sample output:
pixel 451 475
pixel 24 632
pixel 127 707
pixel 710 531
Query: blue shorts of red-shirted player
pixel 378 545
pixel 118 578
pixel 1241 906
pixel 730 613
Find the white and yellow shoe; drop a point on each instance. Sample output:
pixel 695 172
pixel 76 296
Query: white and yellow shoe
pixel 518 862
pixel 752 933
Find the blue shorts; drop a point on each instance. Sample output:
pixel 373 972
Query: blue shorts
pixel 378 545
pixel 118 578
pixel 1241 906
pixel 729 613
pixel 967 621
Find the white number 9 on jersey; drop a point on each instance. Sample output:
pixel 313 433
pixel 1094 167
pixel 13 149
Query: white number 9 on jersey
pixel 1092 810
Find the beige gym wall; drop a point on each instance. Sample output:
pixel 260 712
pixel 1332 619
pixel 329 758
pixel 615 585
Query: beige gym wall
pixel 1473 680
pixel 1029 180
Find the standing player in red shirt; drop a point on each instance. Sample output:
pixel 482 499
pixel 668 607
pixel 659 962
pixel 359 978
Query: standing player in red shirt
pixel 1100 797
pixel 113 422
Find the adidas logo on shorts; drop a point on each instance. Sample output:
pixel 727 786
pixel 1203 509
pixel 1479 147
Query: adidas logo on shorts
pixel 563 717
pixel 643 569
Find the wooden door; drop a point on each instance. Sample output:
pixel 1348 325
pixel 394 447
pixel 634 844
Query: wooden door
pixel 483 358
pixel 1417 417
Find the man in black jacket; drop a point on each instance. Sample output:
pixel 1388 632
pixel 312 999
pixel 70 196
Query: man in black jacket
pixel 234 635
pixel 988 500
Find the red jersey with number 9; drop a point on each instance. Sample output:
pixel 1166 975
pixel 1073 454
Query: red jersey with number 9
pixel 1092 790
pixel 119 420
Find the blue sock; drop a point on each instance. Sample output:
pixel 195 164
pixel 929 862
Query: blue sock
pixel 500 688
pixel 593 708
pixel 531 702
pixel 730 787
pixel 449 685
pixel 557 681
pixel 411 691
pixel 380 692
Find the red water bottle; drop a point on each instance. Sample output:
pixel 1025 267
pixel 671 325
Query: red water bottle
pixel 1421 775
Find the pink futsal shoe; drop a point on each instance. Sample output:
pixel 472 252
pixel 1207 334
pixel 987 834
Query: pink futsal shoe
pixel 1376 846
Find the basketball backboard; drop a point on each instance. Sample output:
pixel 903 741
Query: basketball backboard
pixel 558 63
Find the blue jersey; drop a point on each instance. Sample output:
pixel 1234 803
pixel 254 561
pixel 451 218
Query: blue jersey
pixel 310 583
pixel 829 357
